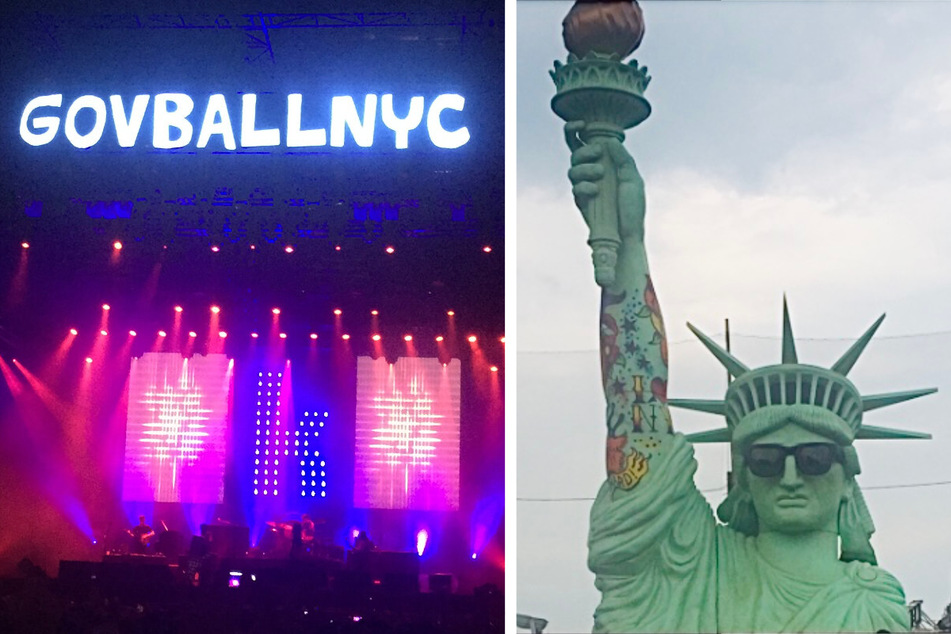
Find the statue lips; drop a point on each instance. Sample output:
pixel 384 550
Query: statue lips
pixel 792 501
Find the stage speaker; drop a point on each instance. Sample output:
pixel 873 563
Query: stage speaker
pixel 198 547
pixel 78 574
pixel 440 583
pixel 171 544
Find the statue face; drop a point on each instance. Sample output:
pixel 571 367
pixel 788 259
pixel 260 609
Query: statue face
pixel 794 502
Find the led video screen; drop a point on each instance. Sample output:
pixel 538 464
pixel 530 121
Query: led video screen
pixel 407 434
pixel 176 430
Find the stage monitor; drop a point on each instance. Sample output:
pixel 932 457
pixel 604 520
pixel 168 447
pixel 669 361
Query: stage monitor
pixel 176 430
pixel 407 434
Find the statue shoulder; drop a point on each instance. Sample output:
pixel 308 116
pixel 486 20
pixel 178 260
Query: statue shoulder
pixel 873 578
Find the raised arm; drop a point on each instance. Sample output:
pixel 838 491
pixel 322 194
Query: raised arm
pixel 633 341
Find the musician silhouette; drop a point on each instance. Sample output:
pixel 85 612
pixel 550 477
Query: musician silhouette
pixel 363 543
pixel 140 535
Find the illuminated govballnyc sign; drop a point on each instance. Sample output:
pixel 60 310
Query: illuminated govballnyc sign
pixel 173 126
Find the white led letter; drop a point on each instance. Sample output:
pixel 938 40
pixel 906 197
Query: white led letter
pixel 439 135
pixel 402 126
pixel 217 107
pixel 48 125
pixel 92 137
pixel 295 136
pixel 127 129
pixel 165 119
pixel 343 115
pixel 249 136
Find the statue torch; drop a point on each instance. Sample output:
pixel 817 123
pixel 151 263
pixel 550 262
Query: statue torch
pixel 596 87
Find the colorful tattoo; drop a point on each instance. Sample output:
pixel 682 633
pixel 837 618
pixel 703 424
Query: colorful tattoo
pixel 609 348
pixel 634 468
pixel 634 375
pixel 627 468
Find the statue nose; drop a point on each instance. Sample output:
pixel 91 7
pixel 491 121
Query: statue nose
pixel 791 476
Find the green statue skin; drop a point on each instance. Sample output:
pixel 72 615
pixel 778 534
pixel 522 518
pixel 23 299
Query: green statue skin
pixel 793 553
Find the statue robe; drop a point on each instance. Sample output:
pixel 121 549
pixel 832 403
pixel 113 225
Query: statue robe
pixel 663 564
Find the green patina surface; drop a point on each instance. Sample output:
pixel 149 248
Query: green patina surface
pixel 791 549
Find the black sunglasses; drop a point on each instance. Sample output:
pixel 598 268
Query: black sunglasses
pixel 812 459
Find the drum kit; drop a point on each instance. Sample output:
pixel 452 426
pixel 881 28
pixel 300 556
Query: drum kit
pixel 284 529
pixel 278 539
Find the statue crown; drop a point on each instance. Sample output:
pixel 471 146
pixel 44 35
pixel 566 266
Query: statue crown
pixel 794 383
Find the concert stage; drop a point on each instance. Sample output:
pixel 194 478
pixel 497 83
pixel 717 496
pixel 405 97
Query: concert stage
pixel 252 278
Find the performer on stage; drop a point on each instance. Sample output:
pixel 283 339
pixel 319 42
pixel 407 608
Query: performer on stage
pixel 307 532
pixel 297 542
pixel 140 536
pixel 363 543
pixel 307 526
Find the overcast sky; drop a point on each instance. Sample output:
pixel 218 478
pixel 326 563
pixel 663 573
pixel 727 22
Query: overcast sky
pixel 797 147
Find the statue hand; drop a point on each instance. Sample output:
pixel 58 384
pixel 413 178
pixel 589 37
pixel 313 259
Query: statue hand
pixel 588 169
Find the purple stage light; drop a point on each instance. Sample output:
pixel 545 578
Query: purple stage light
pixel 485 521
pixel 422 538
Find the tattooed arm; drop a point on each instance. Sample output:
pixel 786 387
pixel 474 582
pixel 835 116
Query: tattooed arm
pixel 633 342
pixel 652 537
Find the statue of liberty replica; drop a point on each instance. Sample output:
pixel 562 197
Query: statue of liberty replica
pixel 791 550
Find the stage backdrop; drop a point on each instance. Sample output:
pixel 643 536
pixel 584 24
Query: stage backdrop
pixel 407 434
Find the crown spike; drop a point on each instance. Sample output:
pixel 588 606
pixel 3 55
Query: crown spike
pixel 699 405
pixel 845 363
pixel 870 432
pixel 874 401
pixel 733 365
pixel 789 344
